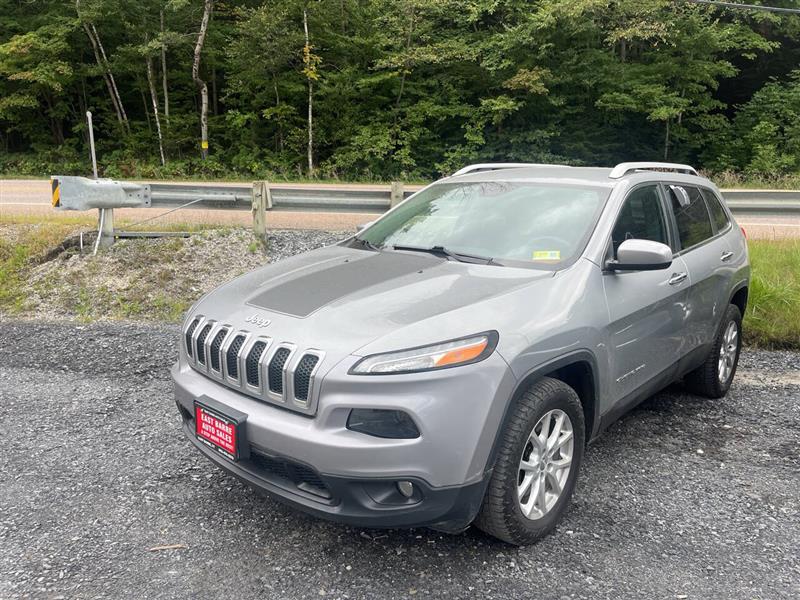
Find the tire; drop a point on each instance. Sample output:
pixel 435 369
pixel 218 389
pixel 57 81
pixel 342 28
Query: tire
pixel 501 514
pixel 707 379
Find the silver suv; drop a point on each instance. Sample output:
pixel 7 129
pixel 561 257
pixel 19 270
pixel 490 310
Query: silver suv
pixel 450 362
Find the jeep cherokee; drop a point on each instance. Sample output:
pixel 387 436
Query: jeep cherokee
pixel 449 363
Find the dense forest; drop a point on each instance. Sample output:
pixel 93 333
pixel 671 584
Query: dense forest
pixel 382 89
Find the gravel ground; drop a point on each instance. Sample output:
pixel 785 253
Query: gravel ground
pixel 683 498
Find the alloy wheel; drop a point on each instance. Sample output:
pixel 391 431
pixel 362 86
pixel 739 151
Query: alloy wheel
pixel 727 352
pixel 545 464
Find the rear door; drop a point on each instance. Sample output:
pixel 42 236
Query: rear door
pixel 700 242
pixel 647 309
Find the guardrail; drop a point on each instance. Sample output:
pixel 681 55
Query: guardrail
pixel 79 193
pixel 325 198
pixel 763 202
pixel 349 198
pixel 378 199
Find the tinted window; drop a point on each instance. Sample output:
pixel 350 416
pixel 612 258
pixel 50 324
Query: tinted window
pixel 640 218
pixel 717 212
pixel 691 215
pixel 534 222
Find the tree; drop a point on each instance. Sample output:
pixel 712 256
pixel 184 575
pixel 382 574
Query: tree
pixel 208 7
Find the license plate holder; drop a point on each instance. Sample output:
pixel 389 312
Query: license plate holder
pixel 221 428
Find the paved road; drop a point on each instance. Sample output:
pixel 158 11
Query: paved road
pixel 684 498
pixel 32 197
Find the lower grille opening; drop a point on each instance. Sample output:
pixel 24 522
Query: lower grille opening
pixel 302 477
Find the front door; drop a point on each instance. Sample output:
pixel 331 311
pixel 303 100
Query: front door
pixel 647 309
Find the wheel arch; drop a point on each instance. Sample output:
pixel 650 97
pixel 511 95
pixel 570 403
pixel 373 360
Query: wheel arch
pixel 577 369
pixel 739 296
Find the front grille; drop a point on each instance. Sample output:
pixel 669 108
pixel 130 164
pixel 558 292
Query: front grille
pixel 189 334
pixel 201 340
pixel 275 371
pixel 302 376
pixel 303 477
pixel 232 357
pixel 215 347
pixel 253 359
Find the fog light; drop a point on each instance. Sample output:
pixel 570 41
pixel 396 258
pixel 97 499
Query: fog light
pixel 392 424
pixel 406 488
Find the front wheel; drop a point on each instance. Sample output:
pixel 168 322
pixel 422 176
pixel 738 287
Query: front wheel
pixel 713 378
pixel 540 454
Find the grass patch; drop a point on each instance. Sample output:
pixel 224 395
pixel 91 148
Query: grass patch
pixel 18 253
pixel 773 308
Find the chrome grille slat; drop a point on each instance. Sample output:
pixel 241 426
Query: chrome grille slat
pixel 200 343
pixel 232 356
pixel 215 348
pixel 303 376
pixel 187 337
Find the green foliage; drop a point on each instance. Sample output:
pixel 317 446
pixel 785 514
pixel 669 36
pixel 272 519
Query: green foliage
pixel 402 88
pixel 773 309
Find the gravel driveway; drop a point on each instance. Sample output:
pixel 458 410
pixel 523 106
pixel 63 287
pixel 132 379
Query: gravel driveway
pixel 683 498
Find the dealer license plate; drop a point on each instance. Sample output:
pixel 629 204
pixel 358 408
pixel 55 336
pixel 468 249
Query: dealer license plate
pixel 216 431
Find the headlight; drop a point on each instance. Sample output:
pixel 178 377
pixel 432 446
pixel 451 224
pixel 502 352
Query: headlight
pixel 463 351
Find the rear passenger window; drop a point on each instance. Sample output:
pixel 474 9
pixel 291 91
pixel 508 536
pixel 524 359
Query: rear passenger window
pixel 717 212
pixel 691 215
pixel 640 218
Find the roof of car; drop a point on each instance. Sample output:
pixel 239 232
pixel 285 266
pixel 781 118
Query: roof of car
pixel 600 176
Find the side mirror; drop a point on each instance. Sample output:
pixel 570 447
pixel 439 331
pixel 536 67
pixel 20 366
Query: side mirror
pixel 641 255
pixel 361 227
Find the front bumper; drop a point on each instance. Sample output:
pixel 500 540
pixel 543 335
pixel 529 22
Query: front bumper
pixel 364 502
pixel 320 466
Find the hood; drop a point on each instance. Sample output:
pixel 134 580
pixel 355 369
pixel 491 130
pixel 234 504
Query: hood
pixel 339 299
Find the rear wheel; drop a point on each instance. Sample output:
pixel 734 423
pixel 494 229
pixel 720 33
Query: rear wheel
pixel 538 461
pixel 714 377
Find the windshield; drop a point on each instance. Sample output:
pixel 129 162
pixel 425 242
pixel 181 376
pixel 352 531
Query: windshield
pixel 537 223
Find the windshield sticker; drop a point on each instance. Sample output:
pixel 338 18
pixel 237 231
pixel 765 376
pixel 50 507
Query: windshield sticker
pixel 547 255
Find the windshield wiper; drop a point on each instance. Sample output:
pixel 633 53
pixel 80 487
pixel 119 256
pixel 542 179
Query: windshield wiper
pixel 364 243
pixel 442 251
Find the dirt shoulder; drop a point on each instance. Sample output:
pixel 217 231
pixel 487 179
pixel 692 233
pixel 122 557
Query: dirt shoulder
pixel 142 279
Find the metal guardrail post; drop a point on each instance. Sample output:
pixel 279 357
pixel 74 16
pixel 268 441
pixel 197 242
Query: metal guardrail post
pixel 397 193
pixel 262 202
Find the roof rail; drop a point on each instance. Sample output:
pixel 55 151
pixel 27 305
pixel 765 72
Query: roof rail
pixel 498 166
pixel 623 169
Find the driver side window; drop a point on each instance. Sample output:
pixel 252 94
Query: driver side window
pixel 641 218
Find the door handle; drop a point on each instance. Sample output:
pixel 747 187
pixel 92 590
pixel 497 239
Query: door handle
pixel 677 278
pixel 726 256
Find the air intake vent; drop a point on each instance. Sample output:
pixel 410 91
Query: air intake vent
pixel 231 358
pixel 215 346
pixel 275 371
pixel 302 376
pixel 252 363
pixel 201 340
pixel 189 334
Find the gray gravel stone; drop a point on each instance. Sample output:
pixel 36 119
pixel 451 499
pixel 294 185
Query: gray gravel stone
pixel 94 472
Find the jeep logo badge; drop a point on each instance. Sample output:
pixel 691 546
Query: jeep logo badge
pixel 257 321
